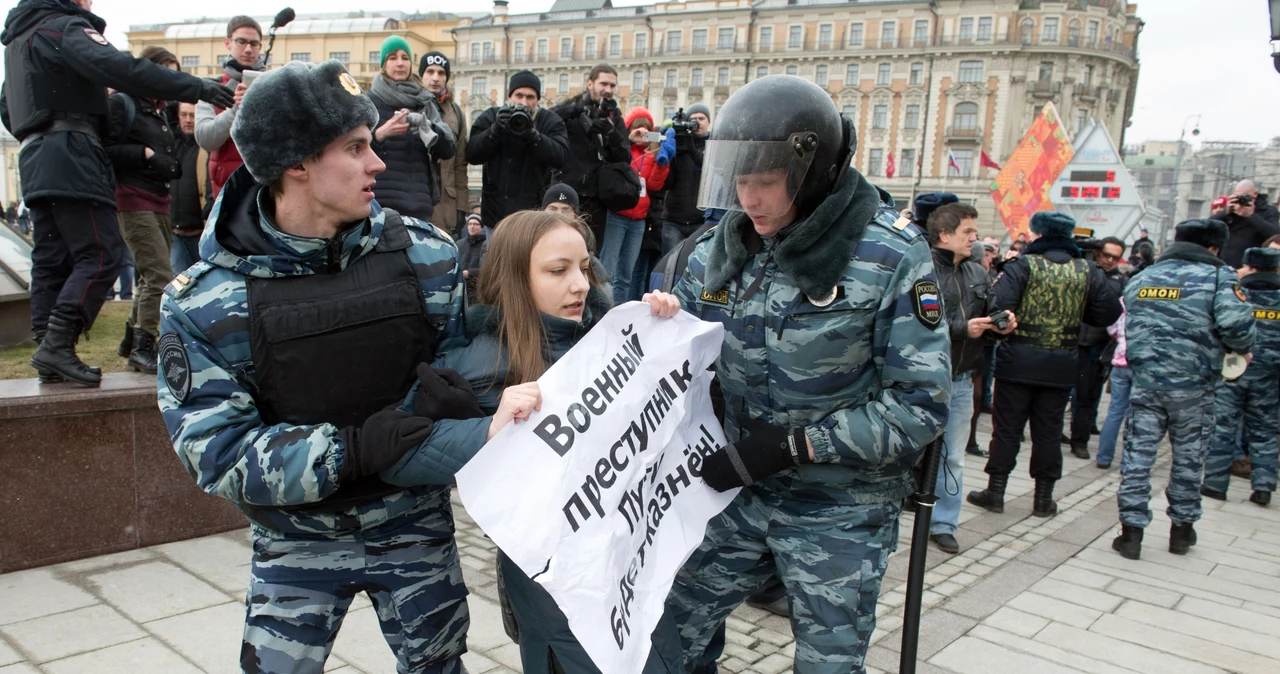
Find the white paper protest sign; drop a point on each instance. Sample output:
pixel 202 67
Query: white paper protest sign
pixel 598 496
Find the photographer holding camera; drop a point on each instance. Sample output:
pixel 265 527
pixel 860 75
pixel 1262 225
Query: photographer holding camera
pixel 519 145
pixel 1247 227
pixel 411 137
pixel 681 215
pixel 597 136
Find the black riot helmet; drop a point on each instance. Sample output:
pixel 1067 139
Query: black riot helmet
pixel 773 127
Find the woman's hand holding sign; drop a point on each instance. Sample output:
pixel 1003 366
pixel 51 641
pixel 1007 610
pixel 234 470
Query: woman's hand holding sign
pixel 518 402
pixel 662 304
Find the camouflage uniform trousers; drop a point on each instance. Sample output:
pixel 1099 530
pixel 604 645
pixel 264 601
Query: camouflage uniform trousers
pixel 1251 400
pixel 1187 416
pixel 302 585
pixel 829 552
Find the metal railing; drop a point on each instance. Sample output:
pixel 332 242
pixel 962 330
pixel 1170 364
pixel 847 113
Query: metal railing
pixel 973 133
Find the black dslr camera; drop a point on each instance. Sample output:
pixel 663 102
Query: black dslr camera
pixel 681 122
pixel 1245 200
pixel 608 106
pixel 520 123
pixel 1001 320
pixel 1088 243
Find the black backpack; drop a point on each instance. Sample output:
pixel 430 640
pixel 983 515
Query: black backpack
pixel 618 186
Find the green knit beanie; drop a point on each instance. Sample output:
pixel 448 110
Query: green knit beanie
pixel 389 47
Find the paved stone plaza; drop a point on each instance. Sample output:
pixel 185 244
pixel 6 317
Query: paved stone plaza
pixel 1024 595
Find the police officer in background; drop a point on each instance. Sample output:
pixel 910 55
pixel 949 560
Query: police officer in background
pixel 1052 289
pixel 276 380
pixel 1251 400
pixel 1184 313
pixel 835 370
pixel 54 101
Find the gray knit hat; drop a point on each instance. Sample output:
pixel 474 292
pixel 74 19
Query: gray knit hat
pixel 294 112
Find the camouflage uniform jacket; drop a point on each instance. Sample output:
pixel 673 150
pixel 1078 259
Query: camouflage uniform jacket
pixel 1183 313
pixel 1263 291
pixel 864 366
pixel 217 431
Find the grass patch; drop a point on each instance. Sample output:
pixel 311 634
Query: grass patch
pixel 99 349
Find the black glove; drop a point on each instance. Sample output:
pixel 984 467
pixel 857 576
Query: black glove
pixel 380 442
pixel 504 117
pixel 571 111
pixel 164 165
pixel 532 137
pixel 444 394
pixel 763 451
pixel 603 126
pixel 218 95
pixel 684 142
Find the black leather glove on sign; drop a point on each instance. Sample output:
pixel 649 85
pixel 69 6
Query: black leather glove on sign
pixel 444 394
pixel 380 442
pixel 762 451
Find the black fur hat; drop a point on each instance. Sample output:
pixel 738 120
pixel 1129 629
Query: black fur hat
pixel 294 112
pixel 1053 224
pixel 1207 233
pixel 1262 259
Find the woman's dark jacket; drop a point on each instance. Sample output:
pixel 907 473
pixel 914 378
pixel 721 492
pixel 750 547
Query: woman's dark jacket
pixel 411 183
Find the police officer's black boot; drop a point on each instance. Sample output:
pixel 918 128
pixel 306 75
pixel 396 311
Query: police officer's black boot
pixel 1262 498
pixel 57 353
pixel 1129 542
pixel 143 358
pixel 1213 494
pixel 991 498
pixel 1043 504
pixel 47 376
pixel 1181 538
pixel 126 342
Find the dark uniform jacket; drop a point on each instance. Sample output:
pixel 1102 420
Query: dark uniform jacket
pixel 517 172
pixel 965 293
pixel 1091 335
pixel 57 67
pixel 128 147
pixel 588 148
pixel 683 181
pixel 1245 233
pixel 1025 363
pixel 186 210
pixel 411 183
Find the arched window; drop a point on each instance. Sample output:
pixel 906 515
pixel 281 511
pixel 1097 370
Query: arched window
pixel 966 116
pixel 1028 30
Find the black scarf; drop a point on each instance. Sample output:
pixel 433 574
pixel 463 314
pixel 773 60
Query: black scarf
pixel 405 94
pixel 1190 252
pixel 1045 244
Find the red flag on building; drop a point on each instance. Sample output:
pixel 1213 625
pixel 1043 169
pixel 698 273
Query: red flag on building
pixel 988 162
pixel 890 168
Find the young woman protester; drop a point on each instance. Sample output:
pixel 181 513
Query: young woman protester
pixel 624 231
pixel 538 298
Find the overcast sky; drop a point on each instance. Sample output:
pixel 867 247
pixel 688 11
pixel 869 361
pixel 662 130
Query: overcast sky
pixel 1199 57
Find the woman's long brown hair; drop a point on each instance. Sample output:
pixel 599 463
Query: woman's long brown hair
pixel 504 284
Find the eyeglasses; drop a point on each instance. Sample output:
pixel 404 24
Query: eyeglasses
pixel 1107 256
pixel 241 42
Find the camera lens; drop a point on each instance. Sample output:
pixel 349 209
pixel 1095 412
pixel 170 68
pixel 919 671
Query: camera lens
pixel 520 122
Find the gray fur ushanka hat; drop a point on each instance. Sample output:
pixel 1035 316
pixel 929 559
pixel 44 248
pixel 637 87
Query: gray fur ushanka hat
pixel 294 112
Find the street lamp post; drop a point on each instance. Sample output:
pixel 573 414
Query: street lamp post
pixel 1177 175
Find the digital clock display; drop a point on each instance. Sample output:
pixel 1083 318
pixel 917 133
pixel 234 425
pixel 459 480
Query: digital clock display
pixel 1090 192
pixel 1093 176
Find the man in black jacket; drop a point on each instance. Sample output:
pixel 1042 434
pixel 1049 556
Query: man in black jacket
pixel 964 284
pixel 1052 289
pixel 1247 226
pixel 54 100
pixel 1094 355
pixel 597 136
pixel 517 161
pixel 1143 252
pixel 188 195
pixel 681 216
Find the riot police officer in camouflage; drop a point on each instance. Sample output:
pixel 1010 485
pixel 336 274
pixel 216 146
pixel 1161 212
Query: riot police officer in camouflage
pixel 835 370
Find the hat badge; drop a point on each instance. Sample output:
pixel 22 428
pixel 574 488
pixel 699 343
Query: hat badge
pixel 349 83
pixel 822 302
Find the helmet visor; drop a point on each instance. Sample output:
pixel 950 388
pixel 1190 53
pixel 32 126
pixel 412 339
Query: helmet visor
pixel 756 177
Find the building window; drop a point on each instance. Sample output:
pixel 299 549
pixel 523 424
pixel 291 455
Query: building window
pixel 880 117
pixel 966 118
pixel 971 71
pixel 566 48
pixel 908 166
pixel 762 71
pixel 375 56
pixel 673 41
pixel 1091 36
pixel 699 39
pixel 850 111
pixel 722 77
pixel 543 49
pixel 615 45
pixel 913 117
pixel 480 85
pixel 851 75
pixel 888 33
pixel 966 30
pixel 984 28
pixel 696 80
pixel 792 70
pixel 795 37
pixel 820 76
pixel 1086 78
pixel 1073 33
pixel 564 83
pixel 475 52
pixel 921 35
pixel 855 35
pixel 917 74
pixel 191 61
pixel 488 52
pixel 1046 71
pixel 589 47
pixel 724 38
pixel 766 37
pixel 518 50
pixel 340 56
pixel 642 44
pixel 964 159
pixel 671 79
pixel 824 36
pixel 1197 183
pixel 1050 31
pixel 882 75
pixel 222 59
pixel 875 162
pixel 1082 118
pixel 637 81
pixel 1110 32
pixel 1027 31
pixel 304 56
pixel 668 113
